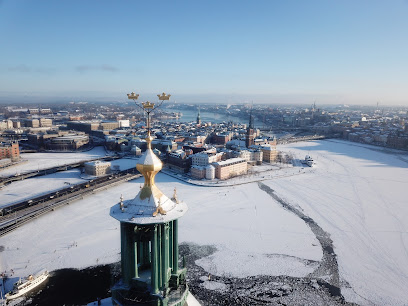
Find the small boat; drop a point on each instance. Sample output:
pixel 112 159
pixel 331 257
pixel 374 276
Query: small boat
pixel 25 285
pixel 309 160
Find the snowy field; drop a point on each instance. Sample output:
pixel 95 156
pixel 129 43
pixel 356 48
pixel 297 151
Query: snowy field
pixel 38 161
pixel 356 193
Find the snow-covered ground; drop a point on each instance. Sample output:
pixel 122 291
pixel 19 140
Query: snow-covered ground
pixel 38 161
pixel 356 193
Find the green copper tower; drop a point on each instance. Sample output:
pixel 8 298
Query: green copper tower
pixel 151 273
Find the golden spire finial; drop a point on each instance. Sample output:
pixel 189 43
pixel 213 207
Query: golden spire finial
pixel 175 199
pixel 163 96
pixel 133 96
pixel 159 210
pixel 148 105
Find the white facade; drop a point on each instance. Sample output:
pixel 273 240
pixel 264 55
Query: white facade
pixel 210 172
pixel 124 123
pixel 136 150
pixel 251 155
pixel 203 159
pixel 97 168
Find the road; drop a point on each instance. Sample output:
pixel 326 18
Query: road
pixel 49 202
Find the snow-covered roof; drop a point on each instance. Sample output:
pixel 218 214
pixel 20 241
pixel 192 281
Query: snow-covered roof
pixel 149 158
pixel 140 211
pixel 150 205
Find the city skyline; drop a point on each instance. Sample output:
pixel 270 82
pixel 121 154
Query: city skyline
pixel 340 52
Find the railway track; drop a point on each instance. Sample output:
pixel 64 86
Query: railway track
pixel 12 221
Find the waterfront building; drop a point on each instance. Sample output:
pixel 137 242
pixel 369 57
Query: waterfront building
pixel 204 158
pixel 251 155
pixel 269 152
pixel 97 168
pixel 197 172
pixel 230 168
pixel 210 172
pixel 10 150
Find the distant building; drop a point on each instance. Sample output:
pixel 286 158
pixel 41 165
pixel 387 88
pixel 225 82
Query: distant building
pixel 97 168
pixel 16 124
pixel 108 125
pixel 84 126
pixel 178 161
pixel 197 172
pixel 10 150
pixel 249 137
pixel 136 150
pixel 210 172
pixel 221 139
pixel 35 123
pixel 45 111
pixel 194 148
pixel 69 142
pixel 198 117
pixel 33 111
pixel 203 158
pixel 255 156
pixel 58 141
pixel 44 122
pixel 269 152
pixel 124 123
pixel 4 125
pixel 230 168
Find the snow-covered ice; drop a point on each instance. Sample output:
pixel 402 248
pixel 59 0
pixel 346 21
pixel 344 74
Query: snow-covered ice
pixel 358 194
pixel 355 193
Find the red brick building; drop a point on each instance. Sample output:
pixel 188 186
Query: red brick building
pixel 10 150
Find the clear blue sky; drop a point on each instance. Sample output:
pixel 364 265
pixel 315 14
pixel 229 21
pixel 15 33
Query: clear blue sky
pixel 344 51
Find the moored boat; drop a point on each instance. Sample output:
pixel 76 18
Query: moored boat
pixel 25 285
pixel 309 160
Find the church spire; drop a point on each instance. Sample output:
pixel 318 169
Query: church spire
pixel 198 116
pixel 251 120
